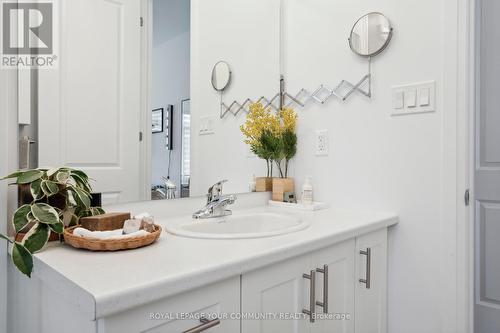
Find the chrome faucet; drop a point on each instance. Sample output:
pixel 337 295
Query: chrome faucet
pixel 216 203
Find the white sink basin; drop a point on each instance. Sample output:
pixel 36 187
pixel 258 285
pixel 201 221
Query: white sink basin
pixel 242 225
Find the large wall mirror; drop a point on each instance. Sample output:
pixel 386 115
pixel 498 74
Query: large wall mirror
pixel 138 106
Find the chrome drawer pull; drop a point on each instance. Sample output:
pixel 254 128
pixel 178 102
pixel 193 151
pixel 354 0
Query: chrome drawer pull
pixel 312 295
pixel 324 304
pixel 367 279
pixel 205 325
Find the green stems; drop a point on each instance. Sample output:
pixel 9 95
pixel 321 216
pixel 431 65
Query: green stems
pixel 280 169
pixel 6 238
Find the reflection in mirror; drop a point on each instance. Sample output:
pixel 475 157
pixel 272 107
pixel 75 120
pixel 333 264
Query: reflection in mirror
pixel 221 76
pixel 370 35
pixel 170 85
pixel 154 115
pixel 186 148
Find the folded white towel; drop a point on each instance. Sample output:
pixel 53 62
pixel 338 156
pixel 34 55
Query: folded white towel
pixel 134 234
pixel 142 215
pixel 82 232
pixel 112 234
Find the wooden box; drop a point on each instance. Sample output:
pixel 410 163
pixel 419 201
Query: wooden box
pixel 263 184
pixel 104 222
pixel 282 185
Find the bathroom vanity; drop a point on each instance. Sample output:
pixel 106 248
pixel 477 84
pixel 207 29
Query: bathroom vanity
pixel 328 277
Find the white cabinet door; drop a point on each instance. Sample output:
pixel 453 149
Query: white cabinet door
pixel 183 312
pixel 371 283
pixel 89 107
pixel 336 293
pixel 279 289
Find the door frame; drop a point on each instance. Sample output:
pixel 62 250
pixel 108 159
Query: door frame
pixel 8 162
pixel 146 20
pixel 4 154
pixel 458 165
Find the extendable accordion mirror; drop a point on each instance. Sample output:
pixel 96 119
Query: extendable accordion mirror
pixel 370 35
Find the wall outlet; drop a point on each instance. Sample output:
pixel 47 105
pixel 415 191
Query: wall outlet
pixel 321 142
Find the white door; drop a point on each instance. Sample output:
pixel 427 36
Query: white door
pixel 276 289
pixel 371 283
pixel 487 173
pixel 336 293
pixel 89 108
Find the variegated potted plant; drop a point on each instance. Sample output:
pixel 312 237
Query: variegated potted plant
pixel 60 197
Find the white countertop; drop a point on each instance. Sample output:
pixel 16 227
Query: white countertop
pixel 105 283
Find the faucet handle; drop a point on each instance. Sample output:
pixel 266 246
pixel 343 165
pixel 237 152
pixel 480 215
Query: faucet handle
pixel 215 190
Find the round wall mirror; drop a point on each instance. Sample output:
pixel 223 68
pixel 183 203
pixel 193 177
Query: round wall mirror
pixel 370 35
pixel 221 75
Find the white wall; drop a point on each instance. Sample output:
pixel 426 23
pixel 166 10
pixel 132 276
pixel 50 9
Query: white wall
pixel 170 80
pixel 376 161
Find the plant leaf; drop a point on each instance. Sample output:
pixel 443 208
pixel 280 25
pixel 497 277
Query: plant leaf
pixel 29 176
pixel 45 213
pixel 97 211
pixel 36 189
pixel 31 218
pixel 74 220
pixel 62 177
pixel 82 197
pixel 20 218
pixel 13 175
pixel 52 171
pixel 80 174
pixel 71 199
pixel 81 182
pixel 57 227
pixel 37 237
pixel 22 259
pixel 49 187
pixel 44 188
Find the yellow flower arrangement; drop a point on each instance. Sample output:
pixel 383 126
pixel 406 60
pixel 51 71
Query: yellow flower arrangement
pixel 271 136
pixel 289 119
pixel 258 121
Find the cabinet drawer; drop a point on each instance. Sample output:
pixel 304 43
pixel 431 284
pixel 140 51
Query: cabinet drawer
pixel 182 312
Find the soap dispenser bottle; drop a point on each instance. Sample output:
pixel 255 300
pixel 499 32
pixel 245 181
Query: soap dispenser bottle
pixel 307 191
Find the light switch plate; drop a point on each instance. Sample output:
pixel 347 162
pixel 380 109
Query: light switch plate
pixel 207 125
pixel 418 98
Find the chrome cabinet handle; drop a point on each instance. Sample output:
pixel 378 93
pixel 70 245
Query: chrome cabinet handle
pixel 205 325
pixel 324 304
pixel 367 279
pixel 312 295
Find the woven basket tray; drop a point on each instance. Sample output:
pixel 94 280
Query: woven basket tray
pixel 95 244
